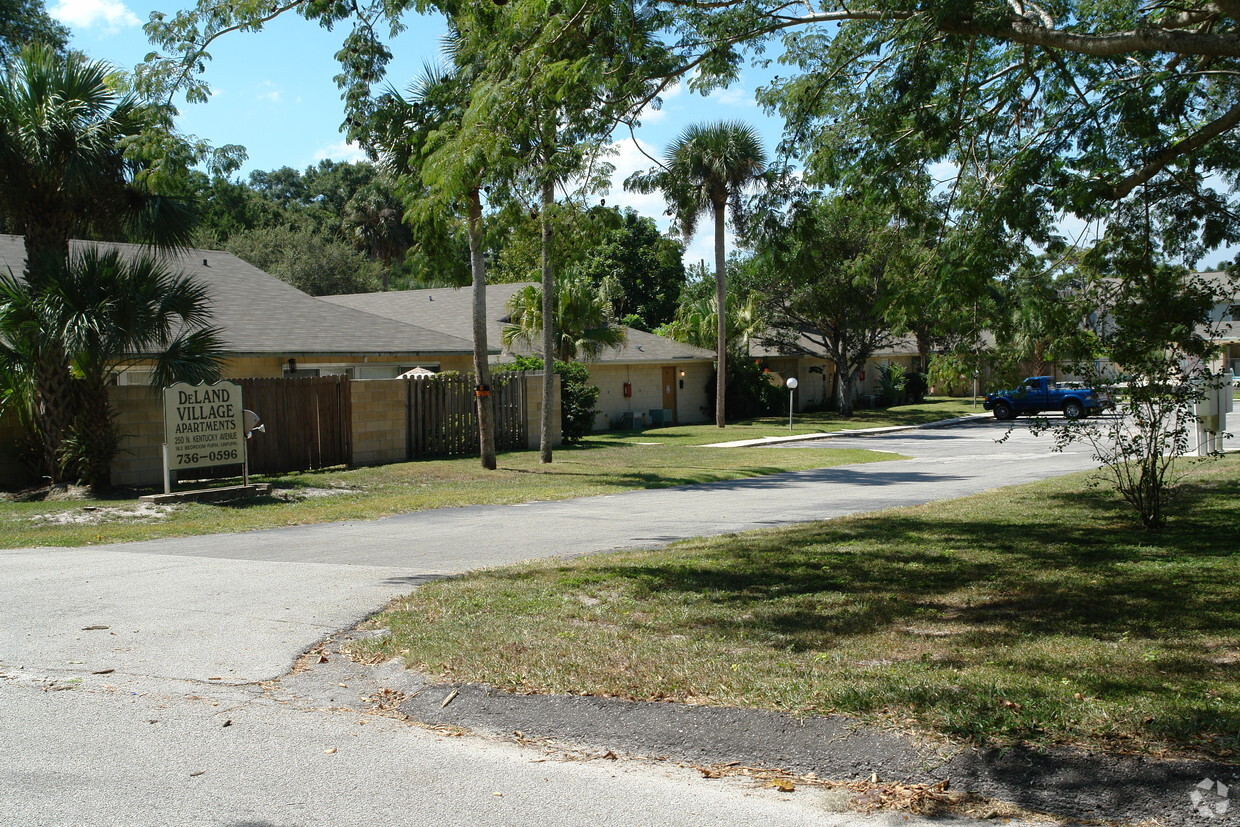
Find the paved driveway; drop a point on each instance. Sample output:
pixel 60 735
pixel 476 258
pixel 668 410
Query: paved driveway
pixel 241 607
pixel 159 644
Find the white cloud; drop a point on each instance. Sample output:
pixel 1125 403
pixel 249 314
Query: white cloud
pixel 341 151
pixel 111 15
pixel 268 91
pixel 628 159
pixel 732 96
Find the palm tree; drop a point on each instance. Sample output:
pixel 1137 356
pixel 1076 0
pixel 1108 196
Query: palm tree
pixel 64 137
pixel 416 137
pixel 696 323
pixel 582 327
pixel 104 312
pixel 64 133
pixel 706 170
pixel 374 220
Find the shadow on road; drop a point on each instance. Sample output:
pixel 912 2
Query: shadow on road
pixel 868 475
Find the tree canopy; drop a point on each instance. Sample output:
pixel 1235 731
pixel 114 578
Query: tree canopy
pixel 27 21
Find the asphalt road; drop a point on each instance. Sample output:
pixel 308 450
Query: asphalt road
pixel 97 643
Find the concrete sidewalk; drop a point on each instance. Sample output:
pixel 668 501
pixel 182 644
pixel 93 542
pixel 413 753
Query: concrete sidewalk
pixel 889 429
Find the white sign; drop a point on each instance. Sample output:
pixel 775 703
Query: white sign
pixel 204 425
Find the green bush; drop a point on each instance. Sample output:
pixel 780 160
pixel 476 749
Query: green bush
pixel 892 378
pixel 577 395
pixel 750 392
pixel 915 388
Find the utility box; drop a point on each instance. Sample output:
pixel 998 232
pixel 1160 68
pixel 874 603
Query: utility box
pixel 660 417
pixel 632 421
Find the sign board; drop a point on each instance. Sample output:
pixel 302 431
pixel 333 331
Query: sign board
pixel 204 425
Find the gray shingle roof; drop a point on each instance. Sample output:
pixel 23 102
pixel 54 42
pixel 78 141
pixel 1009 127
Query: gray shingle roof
pixel 261 315
pixel 450 309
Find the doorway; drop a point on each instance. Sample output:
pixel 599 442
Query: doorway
pixel 669 393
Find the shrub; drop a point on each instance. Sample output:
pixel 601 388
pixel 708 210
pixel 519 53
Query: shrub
pixel 892 379
pixel 749 391
pixel 915 388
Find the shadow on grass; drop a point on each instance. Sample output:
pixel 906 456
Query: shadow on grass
pixel 1129 615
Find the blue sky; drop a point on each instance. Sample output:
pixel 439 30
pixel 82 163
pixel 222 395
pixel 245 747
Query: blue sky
pixel 274 94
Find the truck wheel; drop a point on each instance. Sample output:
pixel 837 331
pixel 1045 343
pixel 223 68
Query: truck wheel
pixel 1004 411
pixel 1073 409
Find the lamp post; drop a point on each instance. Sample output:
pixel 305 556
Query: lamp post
pixel 792 387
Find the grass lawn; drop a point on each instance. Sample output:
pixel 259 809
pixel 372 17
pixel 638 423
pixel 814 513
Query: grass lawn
pixel 1034 614
pixel 601 466
pixel 604 464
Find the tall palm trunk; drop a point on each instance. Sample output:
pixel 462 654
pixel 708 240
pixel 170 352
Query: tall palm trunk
pixel 548 325
pixel 55 393
pixel 477 266
pixel 55 401
pixel 721 306
pixel 47 248
pixel 97 438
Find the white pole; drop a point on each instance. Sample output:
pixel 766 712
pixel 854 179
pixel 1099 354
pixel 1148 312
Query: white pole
pixel 792 387
pixel 167 474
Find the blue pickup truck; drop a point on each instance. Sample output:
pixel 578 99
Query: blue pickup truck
pixel 1042 393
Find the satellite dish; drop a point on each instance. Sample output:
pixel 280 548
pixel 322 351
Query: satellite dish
pixel 252 422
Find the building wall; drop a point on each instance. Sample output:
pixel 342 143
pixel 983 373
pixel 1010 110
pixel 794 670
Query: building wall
pixel 379 433
pixel 380 421
pixel 533 412
pixel 647 389
pixel 140 420
pixel 1231 358
pixel 873 383
pixel 813 377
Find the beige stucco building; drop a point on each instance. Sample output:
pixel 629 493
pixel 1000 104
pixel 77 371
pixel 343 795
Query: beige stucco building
pixel 649 373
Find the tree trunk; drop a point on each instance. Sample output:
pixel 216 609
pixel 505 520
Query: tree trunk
pixel 55 403
pixel 482 370
pixel 47 248
pixel 721 311
pixel 54 408
pixel 848 381
pixel 548 325
pixel 96 431
pixel 923 350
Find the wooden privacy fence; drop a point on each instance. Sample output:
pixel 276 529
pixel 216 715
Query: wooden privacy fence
pixel 308 423
pixel 443 417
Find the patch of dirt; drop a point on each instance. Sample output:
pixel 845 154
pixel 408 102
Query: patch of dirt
pixel 296 494
pixel 93 515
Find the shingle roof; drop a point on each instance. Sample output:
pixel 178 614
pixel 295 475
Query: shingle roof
pixel 450 309
pixel 261 315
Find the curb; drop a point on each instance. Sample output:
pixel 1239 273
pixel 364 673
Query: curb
pixel 775 440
